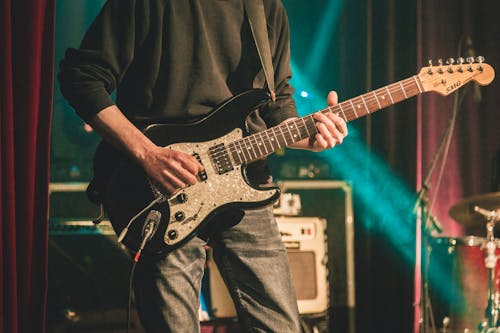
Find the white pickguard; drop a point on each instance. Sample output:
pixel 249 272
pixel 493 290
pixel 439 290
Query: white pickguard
pixel 206 196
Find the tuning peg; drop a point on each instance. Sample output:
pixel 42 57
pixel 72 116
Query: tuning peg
pixel 440 63
pixel 429 71
pixel 470 60
pixel 480 60
pixel 450 62
pixel 461 60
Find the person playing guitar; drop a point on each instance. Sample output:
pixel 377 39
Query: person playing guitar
pixel 179 166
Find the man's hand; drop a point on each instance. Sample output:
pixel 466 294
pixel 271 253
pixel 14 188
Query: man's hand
pixel 331 129
pixel 172 169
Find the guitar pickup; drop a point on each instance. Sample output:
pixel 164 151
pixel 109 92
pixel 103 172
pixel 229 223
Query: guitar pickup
pixel 220 159
pixel 202 175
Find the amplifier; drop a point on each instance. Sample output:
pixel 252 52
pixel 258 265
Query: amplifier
pixel 305 241
pixel 332 200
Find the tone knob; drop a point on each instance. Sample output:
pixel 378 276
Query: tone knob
pixel 179 216
pixel 172 234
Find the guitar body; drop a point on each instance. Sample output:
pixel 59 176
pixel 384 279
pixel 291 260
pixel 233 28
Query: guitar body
pixel 187 211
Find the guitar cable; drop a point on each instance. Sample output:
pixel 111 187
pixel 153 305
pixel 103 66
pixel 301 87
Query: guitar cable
pixel 151 204
pixel 150 226
pixel 130 291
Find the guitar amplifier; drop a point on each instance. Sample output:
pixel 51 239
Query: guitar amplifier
pixel 69 201
pixel 305 241
pixel 332 200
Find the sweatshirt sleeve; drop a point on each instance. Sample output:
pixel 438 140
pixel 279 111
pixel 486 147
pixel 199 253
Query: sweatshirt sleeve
pixel 89 74
pixel 284 107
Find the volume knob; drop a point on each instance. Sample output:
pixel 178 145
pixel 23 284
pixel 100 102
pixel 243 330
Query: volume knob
pixel 182 198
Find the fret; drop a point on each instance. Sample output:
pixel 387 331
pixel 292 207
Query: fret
pixel 267 142
pixel 389 93
pixel 258 143
pixel 298 136
pixel 280 139
pixel 289 128
pixel 342 110
pixel 234 152
pixel 250 147
pixel 305 126
pixel 262 144
pixel 418 84
pixel 376 99
pixel 311 125
pixel 285 143
pixel 403 89
pixel 302 130
pixel 366 106
pixel 273 141
pixel 354 109
pixel 241 151
pixel 244 149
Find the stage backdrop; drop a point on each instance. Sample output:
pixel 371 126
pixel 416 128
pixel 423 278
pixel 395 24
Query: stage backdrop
pixel 354 47
pixel 26 73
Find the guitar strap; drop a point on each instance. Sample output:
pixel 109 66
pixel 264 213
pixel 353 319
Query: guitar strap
pixel 258 25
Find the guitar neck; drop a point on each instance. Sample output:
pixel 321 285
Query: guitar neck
pixel 256 146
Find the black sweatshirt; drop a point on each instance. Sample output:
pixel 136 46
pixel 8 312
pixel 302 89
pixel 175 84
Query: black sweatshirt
pixel 175 60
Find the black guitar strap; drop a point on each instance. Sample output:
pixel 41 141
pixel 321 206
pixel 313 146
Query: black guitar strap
pixel 257 19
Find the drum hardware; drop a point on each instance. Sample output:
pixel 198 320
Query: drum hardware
pixel 493 308
pixel 464 211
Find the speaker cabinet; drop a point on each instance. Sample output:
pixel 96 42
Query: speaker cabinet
pixel 88 274
pixel 305 241
pixel 332 200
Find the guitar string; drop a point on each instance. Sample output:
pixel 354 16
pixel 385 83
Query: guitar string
pixel 408 85
pixel 411 86
pixel 369 98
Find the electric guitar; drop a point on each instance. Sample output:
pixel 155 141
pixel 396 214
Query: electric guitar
pixel 220 142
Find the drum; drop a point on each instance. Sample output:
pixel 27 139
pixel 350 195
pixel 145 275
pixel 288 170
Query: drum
pixel 458 281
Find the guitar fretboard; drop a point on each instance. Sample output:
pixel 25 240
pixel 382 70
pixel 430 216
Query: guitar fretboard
pixel 258 145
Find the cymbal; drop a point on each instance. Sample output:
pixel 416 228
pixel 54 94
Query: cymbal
pixel 463 211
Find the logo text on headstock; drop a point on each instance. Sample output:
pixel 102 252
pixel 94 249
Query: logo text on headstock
pixel 454 86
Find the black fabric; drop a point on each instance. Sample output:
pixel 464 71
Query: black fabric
pixel 174 60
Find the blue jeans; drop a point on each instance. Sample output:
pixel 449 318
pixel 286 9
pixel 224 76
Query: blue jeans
pixel 254 264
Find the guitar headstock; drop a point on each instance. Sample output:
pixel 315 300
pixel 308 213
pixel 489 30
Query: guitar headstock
pixel 446 78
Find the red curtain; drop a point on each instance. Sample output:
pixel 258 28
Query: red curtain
pixel 26 88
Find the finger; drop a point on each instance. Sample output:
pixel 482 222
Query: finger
pixel 182 174
pixel 333 122
pixel 171 180
pixel 320 143
pixel 191 164
pixel 340 124
pixel 332 98
pixel 329 130
pixel 330 134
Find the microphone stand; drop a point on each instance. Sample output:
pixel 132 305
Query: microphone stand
pixel 424 214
